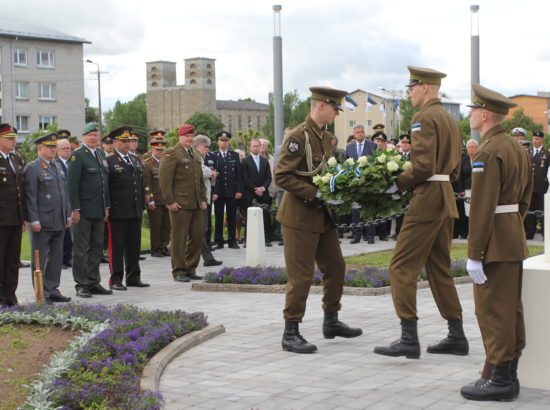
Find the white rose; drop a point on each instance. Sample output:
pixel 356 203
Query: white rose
pixel 392 166
pixel 326 178
pixel 316 179
pixel 350 161
pixel 407 165
pixel 362 161
pixel 381 158
pixel 332 162
pixel 396 158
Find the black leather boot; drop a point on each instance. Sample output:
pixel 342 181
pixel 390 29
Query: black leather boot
pixel 514 373
pixel 454 343
pixel 499 388
pixel 407 345
pixel 485 374
pixel 333 327
pixel 293 340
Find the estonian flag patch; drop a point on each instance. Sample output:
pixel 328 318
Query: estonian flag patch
pixel 416 127
pixel 478 166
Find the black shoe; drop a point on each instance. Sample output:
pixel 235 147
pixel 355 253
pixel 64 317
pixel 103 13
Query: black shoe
pixel 407 346
pixel 454 343
pixel 166 252
pixel 194 276
pixel 118 286
pixel 383 238
pixel 63 266
pixel 181 278
pixel 58 298
pixel 138 284
pixel 499 388
pixel 354 241
pixel 234 246
pixel 83 293
pixel 212 262
pixel 68 263
pixel 293 340
pixel 371 240
pixel 157 254
pixel 268 244
pixel 333 327
pixel 24 265
pixel 142 258
pixel 104 259
pixel 281 243
pixel 219 246
pixel 97 289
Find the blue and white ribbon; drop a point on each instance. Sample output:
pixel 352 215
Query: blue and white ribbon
pixel 333 179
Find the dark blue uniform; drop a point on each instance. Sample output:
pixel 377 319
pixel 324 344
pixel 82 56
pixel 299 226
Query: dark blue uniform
pixel 228 184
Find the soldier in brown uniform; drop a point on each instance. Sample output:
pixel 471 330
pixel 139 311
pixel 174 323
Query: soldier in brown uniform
pixel 502 181
pixel 159 218
pixel 12 222
pixel 540 160
pixel 310 233
pixel 156 135
pixel 184 193
pixel 426 235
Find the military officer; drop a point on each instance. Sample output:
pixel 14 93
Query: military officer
pixel 134 141
pixel 155 135
pixel 127 196
pixel 405 145
pixel 184 193
pixel 502 181
pixel 540 160
pixel 519 133
pixel 309 231
pixel 426 234
pixel 159 217
pixel 47 205
pixel 228 188
pixel 12 222
pixel 63 156
pixel 88 186
pixel 107 146
pixel 378 128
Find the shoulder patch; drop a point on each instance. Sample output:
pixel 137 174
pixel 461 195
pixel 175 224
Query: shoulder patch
pixel 73 157
pixel 478 166
pixel 293 146
pixel 416 127
pixel 167 155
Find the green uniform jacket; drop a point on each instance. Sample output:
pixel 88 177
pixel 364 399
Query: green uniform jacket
pixel 88 183
pixel 300 190
pixel 436 149
pixel 181 178
pixel 501 175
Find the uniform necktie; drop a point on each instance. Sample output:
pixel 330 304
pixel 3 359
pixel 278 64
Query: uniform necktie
pixel 190 151
pixel 127 159
pixel 536 152
pixel 96 155
pixel 223 154
pixel 12 164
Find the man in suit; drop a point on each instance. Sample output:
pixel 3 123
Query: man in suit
pixel 126 194
pixel 540 161
pixel 88 185
pixel 256 181
pixel 310 235
pixel 47 205
pixel 361 147
pixel 12 222
pixel 184 193
pixel 426 234
pixel 502 181
pixel 228 188
pixel 63 154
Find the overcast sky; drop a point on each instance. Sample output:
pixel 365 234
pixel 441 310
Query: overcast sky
pixel 347 44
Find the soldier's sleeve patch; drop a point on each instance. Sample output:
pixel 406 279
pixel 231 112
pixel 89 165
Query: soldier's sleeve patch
pixel 293 146
pixel 166 155
pixel 416 127
pixel 478 166
pixel 73 158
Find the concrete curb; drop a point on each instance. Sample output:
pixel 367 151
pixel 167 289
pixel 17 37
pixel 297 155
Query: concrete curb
pixel 315 290
pixel 152 372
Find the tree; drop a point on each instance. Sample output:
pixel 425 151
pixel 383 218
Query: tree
pixel 205 123
pixel 407 112
pixel 90 113
pixel 244 139
pixel 520 119
pixel 28 148
pixel 294 113
pixel 464 125
pixel 132 113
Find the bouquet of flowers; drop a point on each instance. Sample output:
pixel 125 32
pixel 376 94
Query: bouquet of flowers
pixel 363 183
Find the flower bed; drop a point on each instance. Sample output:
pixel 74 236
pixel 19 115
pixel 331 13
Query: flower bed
pixel 365 277
pixel 101 369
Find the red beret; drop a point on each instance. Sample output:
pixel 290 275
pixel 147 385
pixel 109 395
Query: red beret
pixel 186 129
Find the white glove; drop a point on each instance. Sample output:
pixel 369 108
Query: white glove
pixel 391 189
pixel 355 205
pixel 335 202
pixel 475 270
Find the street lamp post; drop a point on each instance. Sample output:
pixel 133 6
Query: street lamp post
pixel 98 94
pixel 277 76
pixel 474 49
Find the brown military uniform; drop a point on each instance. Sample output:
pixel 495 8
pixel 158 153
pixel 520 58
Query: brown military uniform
pixel 426 235
pixel 159 218
pixel 540 164
pixel 501 175
pixel 310 234
pixel 180 177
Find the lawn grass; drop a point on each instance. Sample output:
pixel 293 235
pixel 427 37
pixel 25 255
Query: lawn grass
pixel 382 259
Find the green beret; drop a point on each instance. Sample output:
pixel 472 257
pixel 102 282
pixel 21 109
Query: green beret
pixel 91 126
pixel 490 100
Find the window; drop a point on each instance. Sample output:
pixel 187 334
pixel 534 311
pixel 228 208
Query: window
pixel 193 81
pixel 45 59
pixel 44 121
pixel 22 90
pixel 369 123
pixel 46 91
pixel 229 123
pixel 20 56
pixel 259 121
pixel 220 117
pixel 22 123
pixel 352 123
pixel 249 125
pixel 240 122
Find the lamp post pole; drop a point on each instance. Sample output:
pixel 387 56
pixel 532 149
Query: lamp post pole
pixel 98 95
pixel 277 76
pixel 474 49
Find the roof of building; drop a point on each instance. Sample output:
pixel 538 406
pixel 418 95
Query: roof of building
pixel 528 95
pixel 9 28
pixel 389 96
pixel 241 105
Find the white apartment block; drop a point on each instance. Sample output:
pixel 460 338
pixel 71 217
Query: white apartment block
pixel 41 78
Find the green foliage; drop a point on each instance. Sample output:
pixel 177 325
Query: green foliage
pixel 407 112
pixel 464 125
pixel 90 114
pixel 295 111
pixel 205 123
pixel 520 119
pixel 133 113
pixel 28 148
pixel 244 139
